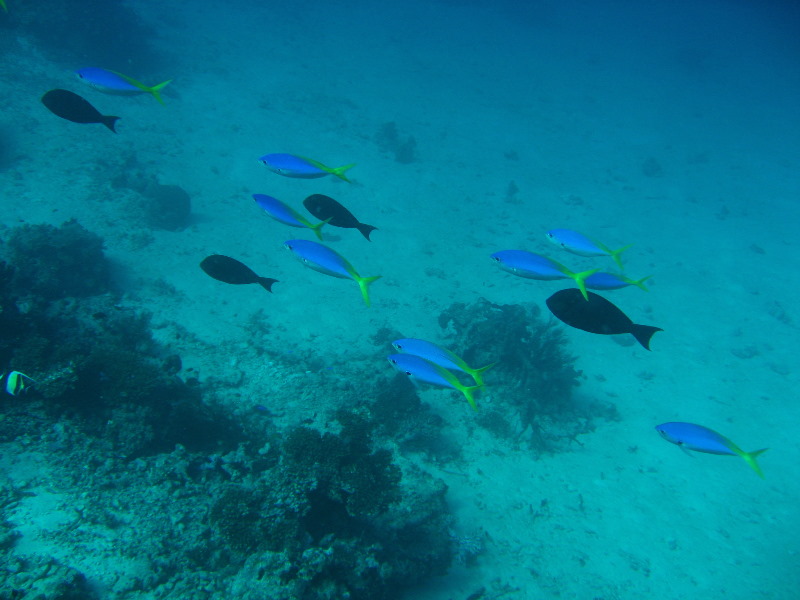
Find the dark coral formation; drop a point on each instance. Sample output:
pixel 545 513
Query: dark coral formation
pixel 57 262
pixel 206 499
pixel 91 357
pixel 535 376
pixel 401 416
pixel 337 511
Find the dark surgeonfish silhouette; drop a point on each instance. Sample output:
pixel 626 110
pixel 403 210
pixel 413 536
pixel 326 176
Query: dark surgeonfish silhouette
pixel 596 315
pixel 72 107
pixel 336 214
pixel 229 270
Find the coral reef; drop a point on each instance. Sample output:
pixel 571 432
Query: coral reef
pixel 535 376
pixel 338 515
pixel 205 501
pixel 401 416
pixel 92 358
pixel 57 262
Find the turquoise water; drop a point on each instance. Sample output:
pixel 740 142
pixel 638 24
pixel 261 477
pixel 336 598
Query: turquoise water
pixel 186 438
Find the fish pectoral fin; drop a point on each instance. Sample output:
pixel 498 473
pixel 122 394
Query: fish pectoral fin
pixel 685 450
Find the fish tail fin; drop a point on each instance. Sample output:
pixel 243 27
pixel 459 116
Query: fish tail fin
pixel 266 283
pixel 580 280
pixel 366 230
pixel 110 122
pixel 477 374
pixel 340 172
pixel 469 394
pixel 363 283
pixel 615 255
pixel 643 333
pixel 639 282
pixel 317 228
pixel 157 88
pixel 750 459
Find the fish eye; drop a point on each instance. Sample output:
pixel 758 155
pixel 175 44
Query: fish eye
pixel 394 362
pixel 408 373
pixel 496 258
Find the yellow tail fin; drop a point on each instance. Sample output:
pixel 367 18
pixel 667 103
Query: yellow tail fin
pixel 615 255
pixel 363 283
pixel 469 394
pixel 316 227
pixel 157 88
pixel 580 279
pixel 477 374
pixel 750 459
pixel 339 172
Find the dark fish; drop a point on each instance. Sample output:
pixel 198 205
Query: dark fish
pixel 597 315
pixel 336 214
pixel 229 270
pixel 70 106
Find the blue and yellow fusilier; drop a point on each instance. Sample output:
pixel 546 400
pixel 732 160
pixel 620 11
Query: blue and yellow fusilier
pixel 613 281
pixel 286 214
pixel 582 245
pixel 425 371
pixel 323 259
pixel 17 383
pixel 301 167
pixel 111 82
pixel 689 436
pixel 440 356
pixel 535 266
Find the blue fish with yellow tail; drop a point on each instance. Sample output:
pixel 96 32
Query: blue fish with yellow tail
pixel 425 371
pixel 111 82
pixel 536 266
pixel 17 383
pixel 286 214
pixel 582 245
pixel 301 167
pixel 689 436
pixel 613 281
pixel 440 356
pixel 323 259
